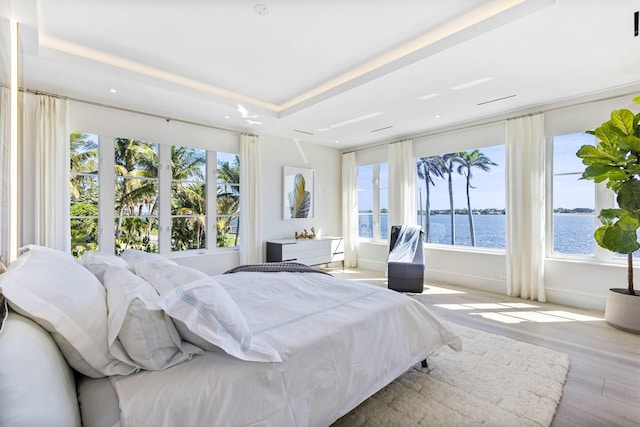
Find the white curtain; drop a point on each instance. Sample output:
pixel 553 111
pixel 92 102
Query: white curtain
pixel 350 208
pixel 402 184
pixel 46 136
pixel 250 200
pixel 525 216
pixel 5 134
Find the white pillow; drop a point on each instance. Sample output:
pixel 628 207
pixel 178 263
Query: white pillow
pixel 148 336
pixel 208 317
pixel 98 263
pixel 165 277
pixel 36 384
pixel 53 289
pixel 133 256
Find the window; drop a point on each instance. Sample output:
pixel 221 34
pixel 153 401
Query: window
pixel 574 200
pixel 136 195
pixel 84 193
pixel 145 175
pixel 461 197
pixel 228 200
pixel 188 198
pixel 373 201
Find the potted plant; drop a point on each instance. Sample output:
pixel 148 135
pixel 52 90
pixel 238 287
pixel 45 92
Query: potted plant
pixel 615 160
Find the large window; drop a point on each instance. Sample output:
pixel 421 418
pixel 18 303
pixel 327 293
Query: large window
pixel 130 214
pixel 84 192
pixel 574 200
pixel 373 201
pixel 188 198
pixel 461 197
pixel 228 199
pixel 136 195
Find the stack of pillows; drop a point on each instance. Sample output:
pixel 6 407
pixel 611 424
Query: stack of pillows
pixel 115 315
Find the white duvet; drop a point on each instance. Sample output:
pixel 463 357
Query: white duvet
pixel 340 342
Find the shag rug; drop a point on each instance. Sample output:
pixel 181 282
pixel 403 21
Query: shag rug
pixel 494 381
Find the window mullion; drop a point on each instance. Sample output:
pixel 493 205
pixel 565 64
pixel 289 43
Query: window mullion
pixel 164 199
pixel 212 188
pixel 106 203
pixel 376 201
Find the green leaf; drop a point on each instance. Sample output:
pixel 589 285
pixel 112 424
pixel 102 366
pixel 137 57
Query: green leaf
pixel 628 223
pixel 607 134
pixel 630 143
pixel 629 196
pixel 623 121
pixel 608 215
pixel 615 239
pixel 591 154
pixel 637 99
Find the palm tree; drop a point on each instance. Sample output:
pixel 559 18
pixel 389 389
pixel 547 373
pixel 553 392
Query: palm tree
pixel 188 198
pixel 428 167
pixel 469 160
pixel 134 159
pixel 449 161
pixel 83 160
pixel 229 197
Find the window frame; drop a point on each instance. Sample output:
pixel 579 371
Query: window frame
pixel 603 199
pixel 106 201
pixel 376 191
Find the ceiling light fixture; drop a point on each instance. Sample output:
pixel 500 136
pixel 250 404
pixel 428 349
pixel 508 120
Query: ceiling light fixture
pixel 261 9
pixel 302 131
pixel 112 90
pixel 377 130
pixel 472 83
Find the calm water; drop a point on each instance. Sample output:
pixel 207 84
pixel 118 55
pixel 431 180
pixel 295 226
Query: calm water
pixel 573 234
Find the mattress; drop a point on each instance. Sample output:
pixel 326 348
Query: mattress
pixel 340 342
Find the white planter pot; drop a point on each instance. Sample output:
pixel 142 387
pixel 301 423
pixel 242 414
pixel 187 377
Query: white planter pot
pixel 622 311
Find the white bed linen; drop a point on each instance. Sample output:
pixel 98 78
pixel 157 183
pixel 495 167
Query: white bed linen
pixel 340 342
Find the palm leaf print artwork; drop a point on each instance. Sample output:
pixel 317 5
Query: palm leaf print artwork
pixel 299 198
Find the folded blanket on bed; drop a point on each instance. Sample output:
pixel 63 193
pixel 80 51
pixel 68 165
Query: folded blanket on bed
pixel 275 267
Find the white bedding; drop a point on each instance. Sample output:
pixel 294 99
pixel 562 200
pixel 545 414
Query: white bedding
pixel 340 342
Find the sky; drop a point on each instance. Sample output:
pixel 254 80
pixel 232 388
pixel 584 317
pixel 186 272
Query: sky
pixel 489 192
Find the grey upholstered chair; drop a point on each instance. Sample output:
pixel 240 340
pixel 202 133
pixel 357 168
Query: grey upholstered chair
pixel 405 265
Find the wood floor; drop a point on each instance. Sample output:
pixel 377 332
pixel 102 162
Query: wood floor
pixel 603 385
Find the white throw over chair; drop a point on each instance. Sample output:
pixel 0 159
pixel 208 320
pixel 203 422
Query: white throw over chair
pixel 405 264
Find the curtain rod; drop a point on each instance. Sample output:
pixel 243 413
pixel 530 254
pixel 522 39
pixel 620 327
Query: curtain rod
pixel 129 110
pixel 489 121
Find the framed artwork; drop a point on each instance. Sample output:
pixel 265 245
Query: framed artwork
pixel 297 193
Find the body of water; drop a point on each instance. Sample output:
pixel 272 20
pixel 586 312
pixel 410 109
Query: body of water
pixel 573 234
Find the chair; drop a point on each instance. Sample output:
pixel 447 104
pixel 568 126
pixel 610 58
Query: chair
pixel 405 265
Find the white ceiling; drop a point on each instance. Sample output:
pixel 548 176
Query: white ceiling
pixel 345 73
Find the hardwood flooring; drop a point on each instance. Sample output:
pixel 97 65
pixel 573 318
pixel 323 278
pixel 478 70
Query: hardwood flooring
pixel 603 385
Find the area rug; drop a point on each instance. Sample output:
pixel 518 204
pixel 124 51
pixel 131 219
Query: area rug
pixel 494 381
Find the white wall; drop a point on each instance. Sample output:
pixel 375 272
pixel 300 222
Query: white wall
pixel 276 152
pixel 575 282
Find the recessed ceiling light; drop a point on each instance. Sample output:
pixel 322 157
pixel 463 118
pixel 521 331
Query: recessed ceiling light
pixel 437 116
pixel 337 142
pixel 261 9
pixel 112 90
pixel 226 117
pixel 429 96
pixel 472 83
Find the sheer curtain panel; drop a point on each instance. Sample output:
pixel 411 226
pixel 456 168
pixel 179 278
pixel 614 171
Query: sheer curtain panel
pixel 4 173
pixel 250 199
pixel 46 137
pixel 350 208
pixel 402 184
pixel 525 216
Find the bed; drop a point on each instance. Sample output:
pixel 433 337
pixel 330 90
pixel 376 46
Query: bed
pixel 318 347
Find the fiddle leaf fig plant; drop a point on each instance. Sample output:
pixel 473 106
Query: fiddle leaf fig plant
pixel 615 160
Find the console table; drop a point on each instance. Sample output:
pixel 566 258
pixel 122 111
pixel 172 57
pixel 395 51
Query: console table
pixel 307 251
